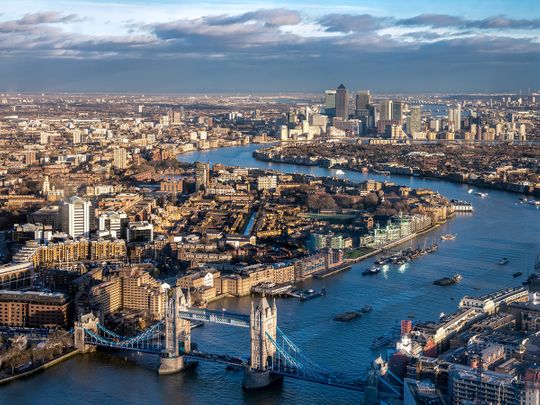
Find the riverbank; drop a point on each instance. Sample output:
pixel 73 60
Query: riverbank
pixel 263 155
pixel 41 367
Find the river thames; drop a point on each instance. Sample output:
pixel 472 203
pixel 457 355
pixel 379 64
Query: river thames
pixel 499 227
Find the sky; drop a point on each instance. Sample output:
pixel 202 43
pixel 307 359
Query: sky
pixel 241 46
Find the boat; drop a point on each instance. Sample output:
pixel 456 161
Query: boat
pixel 517 274
pixel 366 308
pixel 347 316
pixel 371 271
pixel 502 261
pixel 470 191
pixel 448 236
pixel 310 294
pixel 480 194
pixel 381 341
pixel 446 281
pixel 340 172
pixel 196 324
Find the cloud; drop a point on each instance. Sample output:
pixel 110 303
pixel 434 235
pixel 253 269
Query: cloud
pixel 271 17
pixel 274 42
pixel 47 17
pixel 445 20
pixel 352 23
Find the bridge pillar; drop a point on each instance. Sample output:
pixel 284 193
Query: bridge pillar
pixel 263 323
pixel 176 330
pixel 88 322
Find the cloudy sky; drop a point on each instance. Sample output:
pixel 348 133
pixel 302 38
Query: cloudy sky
pixel 269 46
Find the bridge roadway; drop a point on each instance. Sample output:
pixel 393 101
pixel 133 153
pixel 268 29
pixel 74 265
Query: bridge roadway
pixel 220 317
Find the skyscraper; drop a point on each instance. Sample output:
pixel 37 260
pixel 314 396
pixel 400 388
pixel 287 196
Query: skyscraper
pixel 415 120
pixel 330 103
pixel 454 116
pixel 397 111
pixel 386 110
pixel 342 102
pixel 202 175
pixel 363 100
pixel 77 217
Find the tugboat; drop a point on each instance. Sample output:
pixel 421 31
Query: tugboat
pixel 371 271
pixel 503 261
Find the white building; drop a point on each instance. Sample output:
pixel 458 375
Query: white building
pixel 76 217
pixel 266 183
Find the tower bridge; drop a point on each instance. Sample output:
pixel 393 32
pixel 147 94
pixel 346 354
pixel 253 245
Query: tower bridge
pixel 272 354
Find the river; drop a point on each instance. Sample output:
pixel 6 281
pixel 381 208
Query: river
pixel 499 227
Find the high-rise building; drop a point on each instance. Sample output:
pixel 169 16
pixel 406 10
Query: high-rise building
pixel 386 110
pixel 202 175
pixel 77 216
pixel 397 111
pixel 342 102
pixel 30 157
pixel 415 120
pixel 363 100
pixel 330 103
pixel 120 158
pixel 454 117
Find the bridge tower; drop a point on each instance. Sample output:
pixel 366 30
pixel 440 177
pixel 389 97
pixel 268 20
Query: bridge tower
pixel 263 324
pixel 89 322
pixel 176 331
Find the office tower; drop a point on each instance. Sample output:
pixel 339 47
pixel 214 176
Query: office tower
pixel 291 117
pixel 202 175
pixel 120 158
pixel 342 102
pixel 77 217
pixel 142 231
pixel 284 133
pixel 330 103
pixel 415 120
pixel 373 116
pixel 363 100
pixel 397 111
pixel 141 108
pixel 454 117
pixel 386 110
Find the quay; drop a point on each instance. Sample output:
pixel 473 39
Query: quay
pixel 332 270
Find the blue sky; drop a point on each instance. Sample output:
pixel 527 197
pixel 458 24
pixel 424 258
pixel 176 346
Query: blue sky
pixel 269 46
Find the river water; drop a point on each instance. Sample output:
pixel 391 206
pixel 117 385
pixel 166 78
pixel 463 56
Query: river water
pixel 500 227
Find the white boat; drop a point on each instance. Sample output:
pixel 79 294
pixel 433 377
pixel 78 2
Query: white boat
pixel 470 191
pixel 482 195
pixel 340 172
pixel 448 236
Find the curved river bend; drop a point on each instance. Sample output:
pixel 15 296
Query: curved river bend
pixel 499 227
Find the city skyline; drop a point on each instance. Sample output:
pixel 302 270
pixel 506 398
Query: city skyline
pixel 160 46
